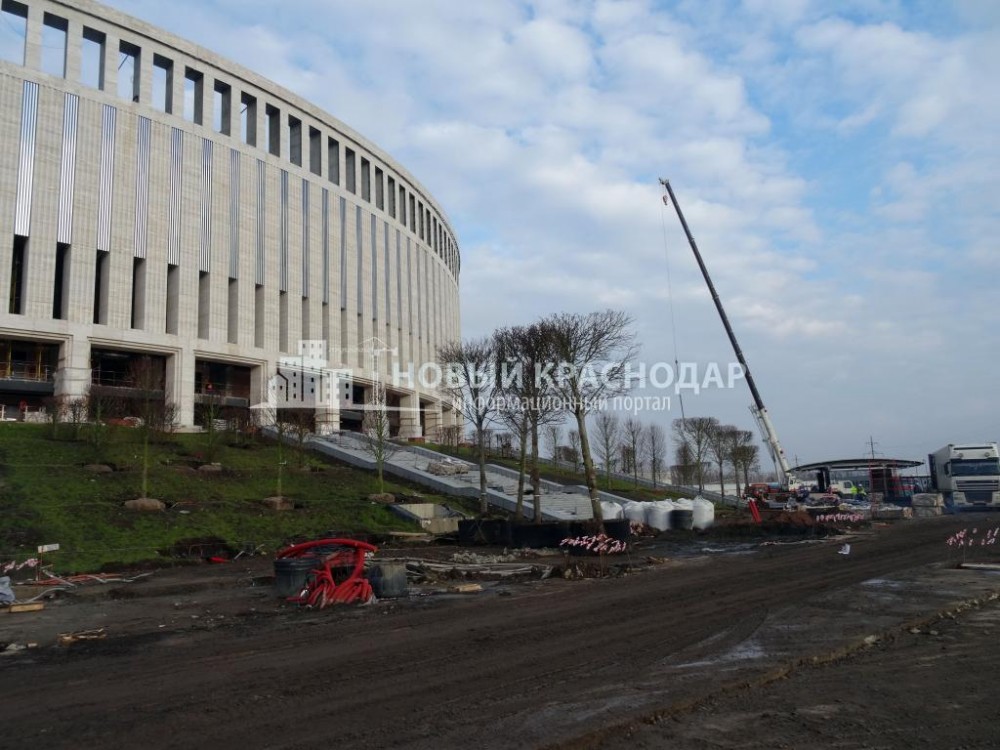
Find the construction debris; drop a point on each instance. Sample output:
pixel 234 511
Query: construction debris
pixel 466 588
pixel 447 467
pixel 26 607
pixel 66 639
pixel 423 571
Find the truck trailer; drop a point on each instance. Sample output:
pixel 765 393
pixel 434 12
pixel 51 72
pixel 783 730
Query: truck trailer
pixel 968 475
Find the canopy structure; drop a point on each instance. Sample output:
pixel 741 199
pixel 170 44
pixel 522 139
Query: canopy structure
pixel 882 475
pixel 858 463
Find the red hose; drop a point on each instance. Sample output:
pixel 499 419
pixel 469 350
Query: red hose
pixel 322 589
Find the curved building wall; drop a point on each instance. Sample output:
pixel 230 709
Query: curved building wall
pixel 155 198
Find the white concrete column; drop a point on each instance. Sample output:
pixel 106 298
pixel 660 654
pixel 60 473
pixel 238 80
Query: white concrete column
pixel 111 53
pixel 176 83
pixel 73 376
pixel 74 50
pixel 432 422
pixel 409 417
pixel 208 101
pixel 145 74
pixel 33 38
pixel 179 386
pixel 327 420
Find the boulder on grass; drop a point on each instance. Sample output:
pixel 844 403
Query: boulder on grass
pixel 98 468
pixel 210 468
pixel 145 504
pixel 382 497
pixel 278 503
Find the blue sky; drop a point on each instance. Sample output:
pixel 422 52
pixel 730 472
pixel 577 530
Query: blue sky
pixel 837 162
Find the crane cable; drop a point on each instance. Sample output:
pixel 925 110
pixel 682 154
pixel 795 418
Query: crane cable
pixel 670 295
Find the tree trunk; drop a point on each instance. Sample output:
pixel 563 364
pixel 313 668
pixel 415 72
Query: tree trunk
pixel 588 465
pixel 483 504
pixel 521 462
pixel 536 479
pixel 145 461
pixel 722 479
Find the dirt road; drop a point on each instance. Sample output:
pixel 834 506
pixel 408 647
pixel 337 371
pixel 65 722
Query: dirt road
pixel 554 663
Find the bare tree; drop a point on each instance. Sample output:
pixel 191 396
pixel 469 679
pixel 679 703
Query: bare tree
pixel 654 446
pixel 516 417
pixel 522 351
pixel 607 434
pixel 720 446
pixel 77 409
pixel 632 434
pixel 744 456
pixel 301 423
pixel 147 376
pixel 574 448
pixel 55 412
pixel 593 353
pixel 211 413
pixel 244 424
pixel 695 433
pixel 470 379
pixel 451 436
pixel 553 436
pixel 377 429
pixel 683 470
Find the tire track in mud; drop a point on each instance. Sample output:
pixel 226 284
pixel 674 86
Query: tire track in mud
pixel 518 671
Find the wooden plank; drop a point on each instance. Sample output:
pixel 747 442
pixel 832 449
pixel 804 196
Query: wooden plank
pixel 32 607
pixel 466 588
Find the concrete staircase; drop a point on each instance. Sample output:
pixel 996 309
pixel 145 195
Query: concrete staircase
pixel 412 463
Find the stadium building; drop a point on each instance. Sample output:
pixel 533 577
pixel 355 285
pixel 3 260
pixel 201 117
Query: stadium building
pixel 163 207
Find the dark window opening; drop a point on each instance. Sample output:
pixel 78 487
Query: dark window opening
pixel 295 140
pixel 18 259
pixel 128 71
pixel 60 287
pixel 248 119
pixel 163 84
pixel 101 287
pixel 222 110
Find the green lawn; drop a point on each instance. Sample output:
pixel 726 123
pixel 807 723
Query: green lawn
pixel 46 496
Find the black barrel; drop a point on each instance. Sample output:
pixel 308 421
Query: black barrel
pixel 292 573
pixel 388 580
pixel 490 531
pixel 538 535
pixel 682 519
pixel 618 528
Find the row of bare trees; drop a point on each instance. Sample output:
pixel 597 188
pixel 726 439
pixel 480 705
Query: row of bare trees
pixel 630 447
pixel 702 443
pixel 528 377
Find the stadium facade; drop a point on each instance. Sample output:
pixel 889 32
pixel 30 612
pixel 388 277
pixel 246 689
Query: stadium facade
pixel 159 204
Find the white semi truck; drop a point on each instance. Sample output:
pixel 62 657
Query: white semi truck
pixel 968 475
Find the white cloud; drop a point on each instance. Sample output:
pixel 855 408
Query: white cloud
pixel 836 162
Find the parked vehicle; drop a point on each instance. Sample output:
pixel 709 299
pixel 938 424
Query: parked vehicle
pixel 968 475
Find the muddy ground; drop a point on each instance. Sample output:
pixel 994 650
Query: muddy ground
pixel 747 647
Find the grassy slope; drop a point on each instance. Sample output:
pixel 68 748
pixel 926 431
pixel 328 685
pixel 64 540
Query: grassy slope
pixel 46 496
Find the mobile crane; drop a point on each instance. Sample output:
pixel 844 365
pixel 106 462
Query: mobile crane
pixel 758 410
